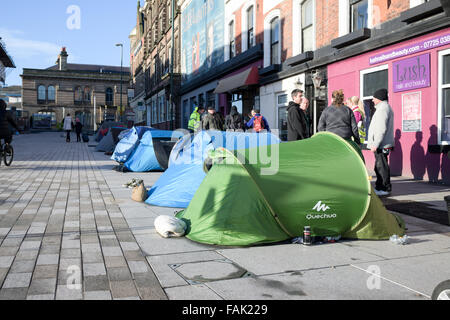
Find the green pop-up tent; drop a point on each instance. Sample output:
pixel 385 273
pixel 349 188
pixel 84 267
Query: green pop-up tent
pixel 269 194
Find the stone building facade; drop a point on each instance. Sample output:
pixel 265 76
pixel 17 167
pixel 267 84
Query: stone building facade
pixel 76 89
pixel 155 75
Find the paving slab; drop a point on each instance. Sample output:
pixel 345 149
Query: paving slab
pixel 341 283
pixel 196 293
pixel 259 260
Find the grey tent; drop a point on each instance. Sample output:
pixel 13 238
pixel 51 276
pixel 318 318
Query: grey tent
pixel 108 143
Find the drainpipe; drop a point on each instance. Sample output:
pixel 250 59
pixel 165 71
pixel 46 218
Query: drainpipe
pixel 172 49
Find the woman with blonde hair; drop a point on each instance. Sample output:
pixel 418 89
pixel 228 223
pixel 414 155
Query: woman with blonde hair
pixel 357 107
pixel 339 119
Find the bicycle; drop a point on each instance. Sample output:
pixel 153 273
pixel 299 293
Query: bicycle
pixel 6 153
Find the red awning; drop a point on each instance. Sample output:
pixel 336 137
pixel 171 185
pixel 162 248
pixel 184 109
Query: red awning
pixel 243 79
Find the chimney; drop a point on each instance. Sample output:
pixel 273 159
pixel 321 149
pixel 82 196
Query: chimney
pixel 62 60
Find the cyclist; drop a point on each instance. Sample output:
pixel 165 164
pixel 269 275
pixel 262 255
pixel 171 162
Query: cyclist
pixel 5 118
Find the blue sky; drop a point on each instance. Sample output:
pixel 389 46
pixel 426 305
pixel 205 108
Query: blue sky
pixel 35 31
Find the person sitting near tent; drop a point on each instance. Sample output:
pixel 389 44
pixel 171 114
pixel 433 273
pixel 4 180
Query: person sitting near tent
pixel 233 122
pixel 212 120
pixel 339 120
pixel 196 119
pixel 258 123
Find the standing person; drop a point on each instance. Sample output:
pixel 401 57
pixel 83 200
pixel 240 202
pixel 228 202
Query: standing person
pixel 381 141
pixel 258 123
pixel 68 125
pixel 5 121
pixel 297 123
pixel 357 107
pixel 304 105
pixel 78 128
pixel 196 119
pixel 339 119
pixel 212 120
pixel 234 120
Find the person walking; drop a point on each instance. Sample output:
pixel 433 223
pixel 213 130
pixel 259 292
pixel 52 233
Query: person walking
pixel 339 119
pixel 258 123
pixel 233 121
pixel 296 121
pixel 196 119
pixel 380 140
pixel 5 121
pixel 212 120
pixel 78 129
pixel 68 125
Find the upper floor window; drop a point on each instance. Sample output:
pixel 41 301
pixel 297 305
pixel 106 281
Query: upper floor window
pixel 109 96
pixel 232 40
pixel 78 94
pixel 51 93
pixel 87 94
pixel 275 41
pixel 250 28
pixel 359 14
pixel 307 26
pixel 41 93
pixel 444 96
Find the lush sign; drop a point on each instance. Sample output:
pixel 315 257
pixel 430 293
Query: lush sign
pixel 202 34
pixel 412 73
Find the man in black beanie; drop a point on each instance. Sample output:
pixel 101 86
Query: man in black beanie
pixel 381 141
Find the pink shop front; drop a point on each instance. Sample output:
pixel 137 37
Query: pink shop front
pixel 417 75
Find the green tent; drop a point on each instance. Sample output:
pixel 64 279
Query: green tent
pixel 269 194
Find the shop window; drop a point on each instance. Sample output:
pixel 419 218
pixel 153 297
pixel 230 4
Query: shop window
pixel 444 96
pixel 210 99
pixel 154 112
pixel 282 104
pixel 186 114
pixel 162 108
pixel 359 14
pixel 307 26
pixel 201 100
pixel 372 80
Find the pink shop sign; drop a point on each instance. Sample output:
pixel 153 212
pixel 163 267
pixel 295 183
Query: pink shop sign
pixel 412 73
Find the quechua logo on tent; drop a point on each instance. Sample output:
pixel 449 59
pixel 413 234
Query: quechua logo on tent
pixel 321 207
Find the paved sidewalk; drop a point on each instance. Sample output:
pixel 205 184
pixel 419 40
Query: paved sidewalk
pixel 60 225
pixel 69 208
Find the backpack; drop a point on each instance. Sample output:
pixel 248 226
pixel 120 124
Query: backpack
pixel 258 124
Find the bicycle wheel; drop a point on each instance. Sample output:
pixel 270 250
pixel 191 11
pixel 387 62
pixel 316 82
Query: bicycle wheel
pixel 8 155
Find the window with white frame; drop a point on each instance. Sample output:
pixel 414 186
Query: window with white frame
pixel 232 40
pixel 275 41
pixel 162 108
pixel 307 26
pixel 154 112
pixel 51 93
pixel 359 14
pixel 250 28
pixel 372 80
pixel 444 97
pixel 41 93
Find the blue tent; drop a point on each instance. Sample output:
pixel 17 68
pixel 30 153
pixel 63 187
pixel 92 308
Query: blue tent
pixel 128 144
pixel 152 153
pixel 178 184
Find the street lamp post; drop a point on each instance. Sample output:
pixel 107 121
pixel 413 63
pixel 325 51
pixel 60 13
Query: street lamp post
pixel 317 81
pixel 121 75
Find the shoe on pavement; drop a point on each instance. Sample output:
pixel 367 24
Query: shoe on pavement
pixel 382 193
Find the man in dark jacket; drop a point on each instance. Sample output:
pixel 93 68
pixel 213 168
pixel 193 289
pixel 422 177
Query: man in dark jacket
pixel 5 121
pixel 297 124
pixel 212 121
pixel 234 120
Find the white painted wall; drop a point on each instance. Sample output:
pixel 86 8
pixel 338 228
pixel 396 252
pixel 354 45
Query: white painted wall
pixel 269 93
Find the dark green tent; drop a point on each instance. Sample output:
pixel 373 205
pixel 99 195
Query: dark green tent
pixel 269 194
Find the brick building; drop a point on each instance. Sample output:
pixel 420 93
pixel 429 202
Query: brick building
pixel 156 76
pixel 74 88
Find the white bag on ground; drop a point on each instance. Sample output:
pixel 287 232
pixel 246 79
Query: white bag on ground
pixel 168 227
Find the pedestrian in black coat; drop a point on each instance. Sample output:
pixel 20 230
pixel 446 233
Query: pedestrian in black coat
pixel 5 121
pixel 297 123
pixel 78 129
